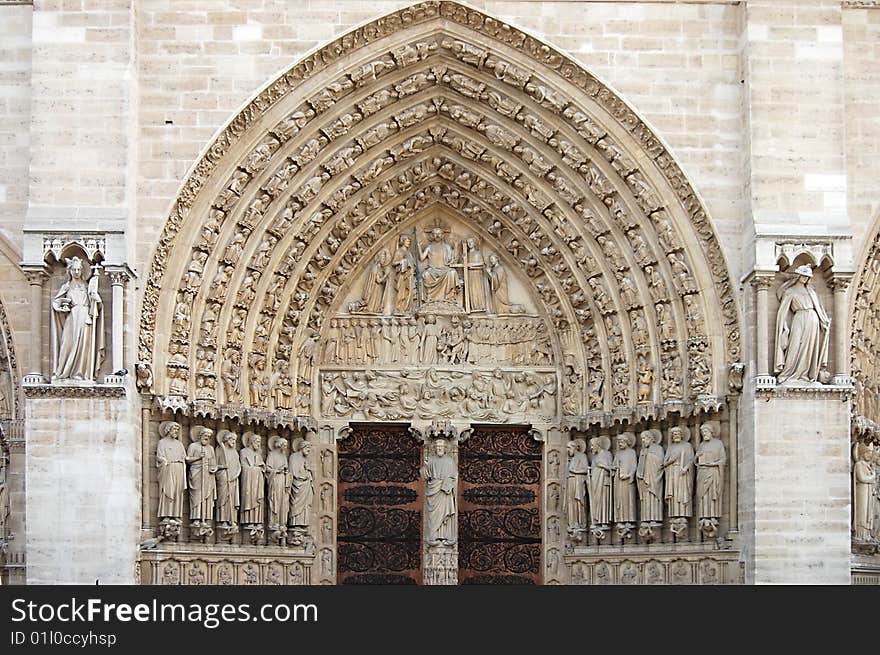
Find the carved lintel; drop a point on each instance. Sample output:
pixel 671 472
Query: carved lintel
pixel 62 390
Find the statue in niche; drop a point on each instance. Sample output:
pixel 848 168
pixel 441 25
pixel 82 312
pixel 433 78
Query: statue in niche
pixel 600 485
pixel 373 295
pixel 679 471
pixel 253 484
pixel 171 462
pixel 78 325
pixel 864 477
pixel 624 469
pixel 405 276
pixel 228 480
pixel 649 478
pixel 710 460
pixel 302 486
pixel 439 279
pixel 278 478
pixel 201 481
pixel 476 287
pixel 576 488
pixel 802 330
pixel 441 485
pixel 499 288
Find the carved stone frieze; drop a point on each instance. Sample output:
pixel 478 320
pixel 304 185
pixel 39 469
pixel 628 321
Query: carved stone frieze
pixel 225 565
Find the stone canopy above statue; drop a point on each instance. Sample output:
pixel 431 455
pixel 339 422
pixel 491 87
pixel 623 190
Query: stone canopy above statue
pixel 437 268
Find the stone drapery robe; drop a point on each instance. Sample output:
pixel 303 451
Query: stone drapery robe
pixel 600 488
pixel 650 483
pixel 253 486
pixel 864 476
pixel 576 490
pixel 802 339
pixel 441 485
pixel 171 461
pixel 78 334
pixel 439 279
pixel 302 490
pixel 279 483
pixel 679 465
pixel 228 481
pixel 624 468
pixel 710 462
pixel 202 482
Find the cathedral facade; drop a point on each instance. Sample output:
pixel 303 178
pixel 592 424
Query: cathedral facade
pixel 513 292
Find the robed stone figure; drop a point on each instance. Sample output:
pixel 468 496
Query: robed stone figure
pixel 439 279
pixel 600 481
pixel 624 472
pixel 77 325
pixel 171 462
pixel 864 476
pixel 228 478
pixel 302 486
pixel 801 330
pixel 649 477
pixel 710 461
pixel 202 470
pixel 441 484
pixel 679 465
pixel 253 481
pixel 404 266
pixel 278 477
pixel 576 485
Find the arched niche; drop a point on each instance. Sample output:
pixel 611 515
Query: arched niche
pixel 865 340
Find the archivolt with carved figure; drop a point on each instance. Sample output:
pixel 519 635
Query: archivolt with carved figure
pixel 437 217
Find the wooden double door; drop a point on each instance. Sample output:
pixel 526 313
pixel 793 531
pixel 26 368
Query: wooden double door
pixel 381 498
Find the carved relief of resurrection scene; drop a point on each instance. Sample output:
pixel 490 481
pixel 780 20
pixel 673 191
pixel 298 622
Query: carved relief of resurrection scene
pixel 437 327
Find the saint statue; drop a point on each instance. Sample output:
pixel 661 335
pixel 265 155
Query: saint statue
pixel 171 462
pixel 649 477
pixel 439 278
pixel 5 510
pixel 499 288
pixel 405 271
pixel 864 476
pixel 253 483
pixel 576 485
pixel 373 300
pixel 477 284
pixel 801 330
pixel 679 465
pixel 77 325
pixel 710 461
pixel 202 483
pixel 228 478
pixel 278 476
pixel 600 481
pixel 624 470
pixel 441 485
pixel 302 487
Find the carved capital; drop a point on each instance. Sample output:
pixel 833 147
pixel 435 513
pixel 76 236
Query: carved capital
pixel 840 283
pixel 36 276
pixel 762 282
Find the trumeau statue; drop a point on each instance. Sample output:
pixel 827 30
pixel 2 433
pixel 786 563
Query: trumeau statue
pixel 679 465
pixel 600 482
pixel 278 477
pixel 441 487
pixel 253 483
pixel 202 483
pixel 78 325
pixel 649 477
pixel 576 486
pixel 171 462
pixel 439 278
pixel 710 461
pixel 624 470
pixel 864 477
pixel 802 330
pixel 302 488
pixel 228 479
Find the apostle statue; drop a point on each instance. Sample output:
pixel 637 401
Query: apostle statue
pixel 441 485
pixel 710 461
pixel 228 480
pixel 649 477
pixel 253 484
pixel 202 483
pixel 171 462
pixel 576 486
pixel 600 482
pixel 499 288
pixel 801 330
pixel 864 477
pixel 278 477
pixel 77 325
pixel 679 470
pixel 404 266
pixel 624 475
pixel 5 510
pixel 476 282
pixel 302 486
pixel 439 278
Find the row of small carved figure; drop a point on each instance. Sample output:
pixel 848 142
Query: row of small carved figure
pixel 866 493
pixel 422 340
pixel 234 487
pixel 629 488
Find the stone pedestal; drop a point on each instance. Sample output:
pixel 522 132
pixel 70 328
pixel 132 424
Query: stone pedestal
pixel 83 464
pixel 796 516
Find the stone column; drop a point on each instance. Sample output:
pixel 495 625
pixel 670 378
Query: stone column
pixel 36 278
pixel 840 329
pixel 117 282
pixel 762 283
